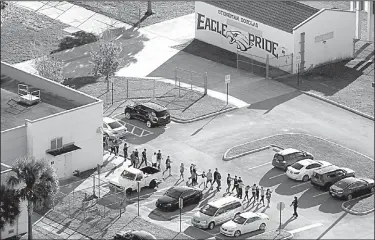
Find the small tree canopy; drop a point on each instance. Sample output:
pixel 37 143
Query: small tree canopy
pixel 106 59
pixel 50 68
pixel 9 206
pixel 3 4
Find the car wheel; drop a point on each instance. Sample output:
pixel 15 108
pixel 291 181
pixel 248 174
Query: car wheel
pixel 372 190
pixel 127 115
pixel 152 184
pixel 237 233
pixel 148 124
pixel 129 191
pixel 286 168
pixel 211 225
pixel 262 226
pixel 349 197
pixel 305 178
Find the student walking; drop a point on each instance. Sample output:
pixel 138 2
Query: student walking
pixel 112 146
pixel 125 149
pixel 117 146
pixel 182 169
pixel 203 175
pixel 191 168
pixel 247 188
pixel 235 184
pixel 154 161
pixel 253 192
pixel 268 197
pixel 168 166
pixel 144 158
pixel 261 195
pixel 136 160
pixel 257 193
pixel 159 157
pixel 229 182
pixel 240 186
pixel 217 179
pixel 136 153
pixel 209 178
pixel 132 160
pixel 295 206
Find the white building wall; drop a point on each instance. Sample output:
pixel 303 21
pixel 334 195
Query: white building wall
pixel 13 144
pixel 78 125
pixel 284 40
pixel 341 23
pixel 19 227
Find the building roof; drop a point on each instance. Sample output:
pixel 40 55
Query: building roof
pixel 14 114
pixel 283 15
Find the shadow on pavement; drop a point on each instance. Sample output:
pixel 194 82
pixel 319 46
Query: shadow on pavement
pixel 331 205
pixel 159 215
pixel 291 219
pixel 290 187
pixel 273 177
pixel 207 196
pixel 332 226
pixel 197 233
pixel 271 103
pixel 312 197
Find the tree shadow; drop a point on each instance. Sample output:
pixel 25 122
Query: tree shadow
pixel 273 177
pixel 271 103
pixel 76 39
pixel 290 187
pixel 79 82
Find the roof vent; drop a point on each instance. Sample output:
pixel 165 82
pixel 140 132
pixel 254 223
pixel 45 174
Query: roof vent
pixel 27 97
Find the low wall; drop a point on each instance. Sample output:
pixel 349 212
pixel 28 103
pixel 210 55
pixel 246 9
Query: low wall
pixel 13 144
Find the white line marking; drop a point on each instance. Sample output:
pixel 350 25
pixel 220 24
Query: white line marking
pixel 306 228
pixel 299 184
pixel 259 166
pixel 142 133
pixel 320 194
pixel 5 165
pixel 277 176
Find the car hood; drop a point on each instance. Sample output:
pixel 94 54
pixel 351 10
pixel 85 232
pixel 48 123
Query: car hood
pixel 201 216
pixel 336 188
pixel 166 199
pixel 229 225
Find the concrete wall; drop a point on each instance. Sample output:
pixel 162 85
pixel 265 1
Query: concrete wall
pixel 46 85
pixel 19 227
pixel 216 36
pixel 13 144
pixel 341 23
pixel 79 125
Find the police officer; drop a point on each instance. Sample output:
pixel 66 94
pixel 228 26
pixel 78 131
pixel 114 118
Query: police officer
pixel 295 205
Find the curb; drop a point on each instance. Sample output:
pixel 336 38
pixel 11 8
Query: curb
pixel 356 212
pixel 339 105
pixel 290 235
pixel 178 120
pixel 225 158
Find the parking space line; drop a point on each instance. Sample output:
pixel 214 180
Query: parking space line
pixel 320 194
pixel 277 176
pixel 299 184
pixel 259 166
pixel 306 228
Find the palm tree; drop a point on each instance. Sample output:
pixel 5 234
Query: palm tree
pixel 37 183
pixel 9 206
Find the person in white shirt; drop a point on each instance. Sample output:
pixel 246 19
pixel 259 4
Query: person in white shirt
pixel 154 160
pixel 209 178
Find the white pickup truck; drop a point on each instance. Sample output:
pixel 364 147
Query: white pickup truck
pixel 129 178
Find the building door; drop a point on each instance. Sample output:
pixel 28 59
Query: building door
pixel 68 171
pixel 302 51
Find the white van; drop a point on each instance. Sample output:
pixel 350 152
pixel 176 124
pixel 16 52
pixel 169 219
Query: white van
pixel 217 212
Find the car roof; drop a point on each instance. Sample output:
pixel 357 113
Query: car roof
pixel 350 180
pixel 108 120
pixel 249 214
pixel 224 201
pixel 154 106
pixel 306 162
pixel 327 169
pixel 183 188
pixel 288 151
pixel 133 170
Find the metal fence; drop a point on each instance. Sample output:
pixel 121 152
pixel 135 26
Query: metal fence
pixel 190 80
pixel 268 67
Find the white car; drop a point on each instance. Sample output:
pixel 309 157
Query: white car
pixel 303 169
pixel 113 128
pixel 245 223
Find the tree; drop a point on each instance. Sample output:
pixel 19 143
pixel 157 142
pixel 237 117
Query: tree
pixel 106 60
pixel 9 206
pixel 37 182
pixel 3 4
pixel 149 8
pixel 50 68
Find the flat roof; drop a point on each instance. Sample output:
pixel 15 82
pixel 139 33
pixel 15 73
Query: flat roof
pixel 14 114
pixel 283 15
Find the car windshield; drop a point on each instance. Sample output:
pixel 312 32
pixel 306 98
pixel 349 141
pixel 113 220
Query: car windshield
pixel 342 184
pixel 128 175
pixel 238 219
pixel 279 157
pixel 173 193
pixel 297 166
pixel 208 210
pixel 161 113
pixel 114 125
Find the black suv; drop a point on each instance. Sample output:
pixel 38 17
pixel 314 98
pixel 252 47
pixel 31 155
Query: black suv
pixel 327 176
pixel 151 113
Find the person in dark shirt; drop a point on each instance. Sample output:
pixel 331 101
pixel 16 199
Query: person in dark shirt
pixel 229 182
pixel 136 153
pixel 144 158
pixel 295 206
pixel 159 157
pixel 235 184
pixel 125 148
pixel 217 179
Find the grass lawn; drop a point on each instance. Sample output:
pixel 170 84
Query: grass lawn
pixel 26 35
pixel 362 204
pixel 319 148
pixel 130 12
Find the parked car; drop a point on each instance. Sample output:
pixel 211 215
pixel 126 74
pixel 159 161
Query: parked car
pixel 151 113
pixel 169 202
pixel 352 187
pixel 303 169
pixel 217 212
pixel 130 177
pixel 114 128
pixel 287 157
pixel 245 223
pixel 134 235
pixel 326 177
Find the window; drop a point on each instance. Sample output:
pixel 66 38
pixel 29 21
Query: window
pixel 236 205
pixel 53 162
pixel 104 125
pixel 314 165
pixel 220 211
pixel 298 166
pixel 209 210
pixel 56 143
pixel 250 220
